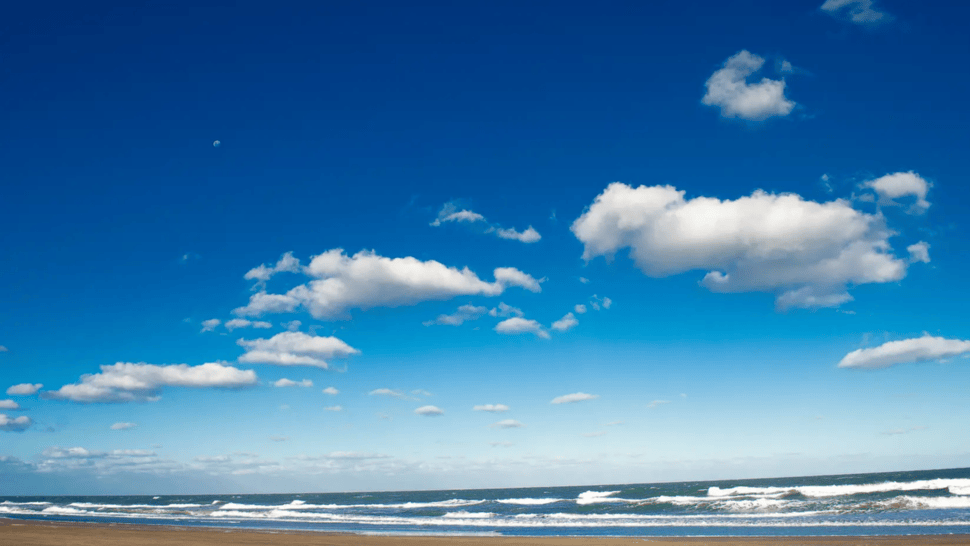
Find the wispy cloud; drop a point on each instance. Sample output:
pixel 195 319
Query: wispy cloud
pixel 574 397
pixel 892 353
pixel 452 213
pixel 123 426
pixel 860 12
pixel 491 408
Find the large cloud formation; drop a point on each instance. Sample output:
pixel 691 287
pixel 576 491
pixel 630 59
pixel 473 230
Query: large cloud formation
pixel 295 349
pixel 366 280
pixel 920 349
pixel 804 252
pixel 128 382
pixel 728 89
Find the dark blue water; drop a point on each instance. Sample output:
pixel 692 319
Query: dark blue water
pixel 898 503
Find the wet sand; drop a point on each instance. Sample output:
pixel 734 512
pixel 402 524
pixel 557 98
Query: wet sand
pixel 40 533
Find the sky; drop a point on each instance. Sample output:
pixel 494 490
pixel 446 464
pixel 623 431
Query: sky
pixel 370 246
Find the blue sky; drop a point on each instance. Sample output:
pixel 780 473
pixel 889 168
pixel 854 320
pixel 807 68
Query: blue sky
pixel 727 239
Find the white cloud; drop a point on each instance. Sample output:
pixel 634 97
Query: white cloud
pixel 210 325
pixel 920 349
pixel 331 391
pixel 24 389
pixel 429 411
pixel 462 315
pixel 565 323
pixel 9 404
pixel 655 403
pixel 580 309
pixel 530 235
pixel 388 392
pixel 919 252
pixel 128 382
pixel 491 408
pixel 333 408
pixel 243 323
pixel 574 397
pixel 804 252
pixel 284 382
pixel 449 213
pixel 366 280
pixel 287 263
pixel 295 349
pixel 519 325
pixel 728 89
pixel 505 310
pixel 16 424
pixel 584 280
pixel 123 426
pixel 292 325
pixel 860 12
pixel 507 423
pixel 891 187
pixel 510 276
pixel 594 434
pixel 420 392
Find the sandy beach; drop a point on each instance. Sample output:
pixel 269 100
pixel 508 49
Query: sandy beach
pixel 34 533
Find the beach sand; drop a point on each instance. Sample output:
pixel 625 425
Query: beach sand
pixel 34 533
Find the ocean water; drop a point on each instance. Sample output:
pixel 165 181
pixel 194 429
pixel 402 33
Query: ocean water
pixel 899 503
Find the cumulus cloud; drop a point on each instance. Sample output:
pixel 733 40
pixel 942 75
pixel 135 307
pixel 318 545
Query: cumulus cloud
pixel 9 405
pixel 16 424
pixel 243 323
pixel 284 382
pixel 210 325
pixel 295 349
pixel 24 389
pixel 491 408
pixel 574 397
pixel 519 325
pixel 429 411
pixel 565 323
pixel 366 280
pixel 804 252
pixel 920 349
pixel 729 90
pixel 580 309
pixel 530 235
pixel 331 391
pixel 919 252
pixel 451 213
pixel 893 186
pixel 860 12
pixel 128 382
pixel 123 426
pixel 463 314
pixel 287 263
pixel 507 423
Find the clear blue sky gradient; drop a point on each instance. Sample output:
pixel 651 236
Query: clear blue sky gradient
pixel 350 125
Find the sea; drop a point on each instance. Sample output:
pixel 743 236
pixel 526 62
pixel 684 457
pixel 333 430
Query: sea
pixel 897 503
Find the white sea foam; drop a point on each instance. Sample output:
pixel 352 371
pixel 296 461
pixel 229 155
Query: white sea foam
pixel 10 503
pixel 529 502
pixel 841 490
pixel 959 489
pixel 593 497
pixel 473 515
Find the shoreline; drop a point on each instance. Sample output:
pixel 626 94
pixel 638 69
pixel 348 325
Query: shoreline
pixel 28 532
